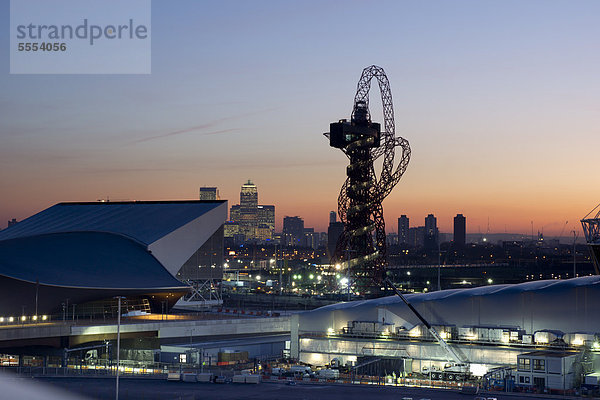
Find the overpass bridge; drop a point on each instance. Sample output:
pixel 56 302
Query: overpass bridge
pixel 173 329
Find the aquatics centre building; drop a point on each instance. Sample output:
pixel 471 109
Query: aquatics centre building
pixel 76 257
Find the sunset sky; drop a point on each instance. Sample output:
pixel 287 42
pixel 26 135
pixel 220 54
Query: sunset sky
pixel 500 101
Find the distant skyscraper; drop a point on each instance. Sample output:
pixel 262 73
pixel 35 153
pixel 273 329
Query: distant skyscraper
pixel 266 216
pixel 403 229
pixel 311 238
pixel 416 236
pixel 431 232
pixel 334 231
pixel 323 239
pixel 249 197
pixel 293 231
pixel 230 229
pixel 255 221
pixel 332 217
pixel 209 193
pixel 249 210
pixel 460 230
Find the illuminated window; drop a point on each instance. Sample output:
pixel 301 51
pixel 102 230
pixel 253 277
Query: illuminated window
pixel 524 364
pixel 539 365
pixel 183 358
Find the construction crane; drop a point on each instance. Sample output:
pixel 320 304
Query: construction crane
pixel 361 249
pixel 449 350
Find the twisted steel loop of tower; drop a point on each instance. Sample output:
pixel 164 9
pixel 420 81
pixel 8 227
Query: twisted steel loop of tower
pixel 362 246
pixel 389 178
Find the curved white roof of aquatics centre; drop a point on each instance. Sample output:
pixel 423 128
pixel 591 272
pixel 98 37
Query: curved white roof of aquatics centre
pixel 571 305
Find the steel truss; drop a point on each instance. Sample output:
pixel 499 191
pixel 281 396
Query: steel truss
pixel 591 229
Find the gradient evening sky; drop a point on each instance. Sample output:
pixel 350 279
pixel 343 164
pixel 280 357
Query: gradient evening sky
pixel 500 101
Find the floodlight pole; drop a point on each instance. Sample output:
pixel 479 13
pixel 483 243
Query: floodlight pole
pixel 118 345
pixel 574 254
pixel 439 271
pixel 280 273
pixel 37 289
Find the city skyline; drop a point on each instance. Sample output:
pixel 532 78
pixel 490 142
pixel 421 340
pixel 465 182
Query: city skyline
pixel 320 226
pixel 498 101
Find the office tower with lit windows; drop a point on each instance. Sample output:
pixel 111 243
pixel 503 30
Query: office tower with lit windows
pixel 249 209
pixel 249 197
pixel 266 216
pixel 403 229
pixel 209 193
pixel 255 221
pixel 293 231
pixel 431 233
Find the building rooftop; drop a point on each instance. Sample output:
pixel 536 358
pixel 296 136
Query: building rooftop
pixel 83 260
pixel 144 221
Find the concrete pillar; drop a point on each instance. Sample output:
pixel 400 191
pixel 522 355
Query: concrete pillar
pixel 295 340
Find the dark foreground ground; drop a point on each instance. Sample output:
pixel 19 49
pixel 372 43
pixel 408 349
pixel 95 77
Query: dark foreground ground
pixel 97 388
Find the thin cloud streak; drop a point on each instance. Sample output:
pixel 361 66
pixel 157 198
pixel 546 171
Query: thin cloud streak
pixel 187 130
pixel 203 126
pixel 279 165
pixel 114 170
